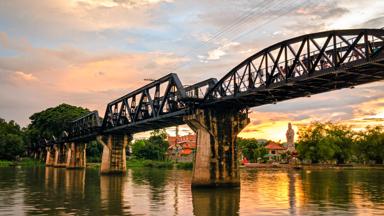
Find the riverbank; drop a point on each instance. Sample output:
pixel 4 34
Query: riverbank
pixel 23 162
pixel 312 166
pixel 134 163
pixel 130 164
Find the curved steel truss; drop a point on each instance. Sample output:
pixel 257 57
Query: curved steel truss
pixel 302 66
pixel 297 67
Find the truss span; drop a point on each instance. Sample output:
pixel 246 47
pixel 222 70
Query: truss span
pixel 161 103
pixel 302 66
pixel 297 67
pixel 84 128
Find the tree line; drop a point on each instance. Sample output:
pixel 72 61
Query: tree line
pixel 317 142
pixel 338 143
pixel 327 143
pixel 18 142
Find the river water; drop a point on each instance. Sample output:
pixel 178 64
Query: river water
pixel 56 191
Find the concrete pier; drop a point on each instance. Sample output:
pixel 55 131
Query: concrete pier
pixel 216 158
pixel 76 155
pixel 50 156
pixel 60 155
pixel 114 157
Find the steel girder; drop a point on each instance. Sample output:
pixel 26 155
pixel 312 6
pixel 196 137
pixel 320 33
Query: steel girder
pixel 297 67
pixel 151 102
pixel 302 66
pixel 83 128
pixel 161 103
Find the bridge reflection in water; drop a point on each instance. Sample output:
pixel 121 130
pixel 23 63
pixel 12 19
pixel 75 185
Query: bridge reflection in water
pixel 225 201
pixel 57 191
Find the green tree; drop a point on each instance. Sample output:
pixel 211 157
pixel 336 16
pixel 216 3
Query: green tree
pixel 342 137
pixel 94 151
pixel 252 149
pixel 51 122
pixel 153 148
pixel 11 140
pixel 321 142
pixel 370 145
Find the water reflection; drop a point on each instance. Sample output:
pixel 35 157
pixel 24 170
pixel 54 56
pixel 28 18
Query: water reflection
pixel 111 194
pixel 329 190
pixel 216 201
pixel 62 191
pixel 292 192
pixel 75 181
pixel 155 179
pixel 55 191
pixel 266 191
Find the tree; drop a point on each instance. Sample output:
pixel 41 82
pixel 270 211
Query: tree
pixel 342 137
pixel 51 122
pixel 252 149
pixel 94 151
pixel 321 142
pixel 370 145
pixel 11 140
pixel 153 148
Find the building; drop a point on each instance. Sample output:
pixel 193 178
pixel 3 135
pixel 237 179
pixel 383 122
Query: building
pixel 181 148
pixel 275 150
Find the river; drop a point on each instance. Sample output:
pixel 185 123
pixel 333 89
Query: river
pixel 56 191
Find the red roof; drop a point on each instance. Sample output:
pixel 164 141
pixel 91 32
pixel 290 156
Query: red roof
pixel 274 146
pixel 187 141
pixel 186 151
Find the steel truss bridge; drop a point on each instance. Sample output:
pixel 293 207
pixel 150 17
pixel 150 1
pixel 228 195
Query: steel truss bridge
pixel 301 66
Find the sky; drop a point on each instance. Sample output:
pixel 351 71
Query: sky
pixel 89 52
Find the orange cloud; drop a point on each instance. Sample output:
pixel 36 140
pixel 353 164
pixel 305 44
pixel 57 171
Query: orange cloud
pixel 269 125
pixel 19 75
pixel 117 71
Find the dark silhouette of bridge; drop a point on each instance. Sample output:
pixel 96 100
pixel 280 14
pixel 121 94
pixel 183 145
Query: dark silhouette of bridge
pixel 217 109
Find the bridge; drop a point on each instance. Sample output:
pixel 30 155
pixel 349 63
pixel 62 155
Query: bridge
pixel 217 110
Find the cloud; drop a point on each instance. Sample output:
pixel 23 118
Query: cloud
pixel 19 75
pixel 215 54
pixel 118 3
pixel 377 22
pixel 323 11
pixel 75 76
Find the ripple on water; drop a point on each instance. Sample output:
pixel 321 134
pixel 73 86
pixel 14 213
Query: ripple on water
pixel 52 191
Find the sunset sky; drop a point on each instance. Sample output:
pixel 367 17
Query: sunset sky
pixel 89 52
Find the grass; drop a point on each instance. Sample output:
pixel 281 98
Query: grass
pixel 4 163
pixel 137 163
pixel 185 165
pixel 93 165
pixel 131 163
pixel 149 163
pixel 25 162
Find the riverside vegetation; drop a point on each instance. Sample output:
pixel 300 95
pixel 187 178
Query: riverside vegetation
pixel 318 143
pixel 329 143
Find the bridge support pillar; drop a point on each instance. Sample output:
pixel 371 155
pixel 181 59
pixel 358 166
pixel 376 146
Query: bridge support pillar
pixel 76 155
pixel 60 156
pixel 50 157
pixel 216 158
pixel 114 157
